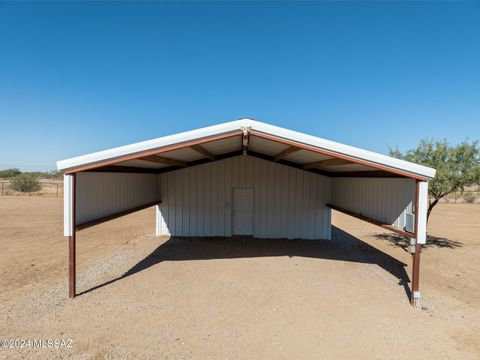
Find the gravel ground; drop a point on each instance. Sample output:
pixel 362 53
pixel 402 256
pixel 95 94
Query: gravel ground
pixel 148 297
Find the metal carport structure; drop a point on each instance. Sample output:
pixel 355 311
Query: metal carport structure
pixel 246 178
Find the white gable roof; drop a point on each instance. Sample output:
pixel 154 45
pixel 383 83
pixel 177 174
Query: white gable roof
pixel 238 126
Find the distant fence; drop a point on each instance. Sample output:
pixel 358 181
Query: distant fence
pixel 49 188
pixel 471 195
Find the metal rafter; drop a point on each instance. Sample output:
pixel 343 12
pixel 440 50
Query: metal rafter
pixel 201 150
pixel 286 152
pixel 328 162
pixel 163 160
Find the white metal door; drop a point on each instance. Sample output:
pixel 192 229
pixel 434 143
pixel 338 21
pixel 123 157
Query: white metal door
pixel 242 212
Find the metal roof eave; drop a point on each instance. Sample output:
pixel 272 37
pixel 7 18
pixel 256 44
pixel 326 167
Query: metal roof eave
pixel 257 127
pixel 342 149
pixel 157 143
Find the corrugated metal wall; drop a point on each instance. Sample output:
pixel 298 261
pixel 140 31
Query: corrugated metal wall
pixel 384 199
pixel 101 194
pixel 288 202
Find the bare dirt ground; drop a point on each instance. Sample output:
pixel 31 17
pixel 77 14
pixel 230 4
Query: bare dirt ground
pixel 237 298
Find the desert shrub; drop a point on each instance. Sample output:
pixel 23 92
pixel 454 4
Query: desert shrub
pixel 9 173
pixel 25 183
pixel 469 197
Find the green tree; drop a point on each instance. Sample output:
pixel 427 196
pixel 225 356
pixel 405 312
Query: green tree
pixel 9 173
pixel 25 183
pixel 457 166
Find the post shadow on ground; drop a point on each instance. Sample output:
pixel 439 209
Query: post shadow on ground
pixel 432 241
pixel 342 247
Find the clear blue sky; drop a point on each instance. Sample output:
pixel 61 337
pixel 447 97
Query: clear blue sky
pixel 82 77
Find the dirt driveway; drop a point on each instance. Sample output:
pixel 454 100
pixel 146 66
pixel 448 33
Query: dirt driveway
pixel 148 297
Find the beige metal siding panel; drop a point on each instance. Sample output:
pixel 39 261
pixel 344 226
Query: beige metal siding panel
pixel 221 202
pixel 171 202
pixel 318 209
pixel 257 193
pixel 327 200
pixel 384 199
pixel 102 194
pixel 313 199
pixel 292 180
pixel 227 216
pixel 198 173
pixel 262 210
pixel 286 200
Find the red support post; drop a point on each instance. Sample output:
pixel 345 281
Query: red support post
pixel 416 255
pixel 72 276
